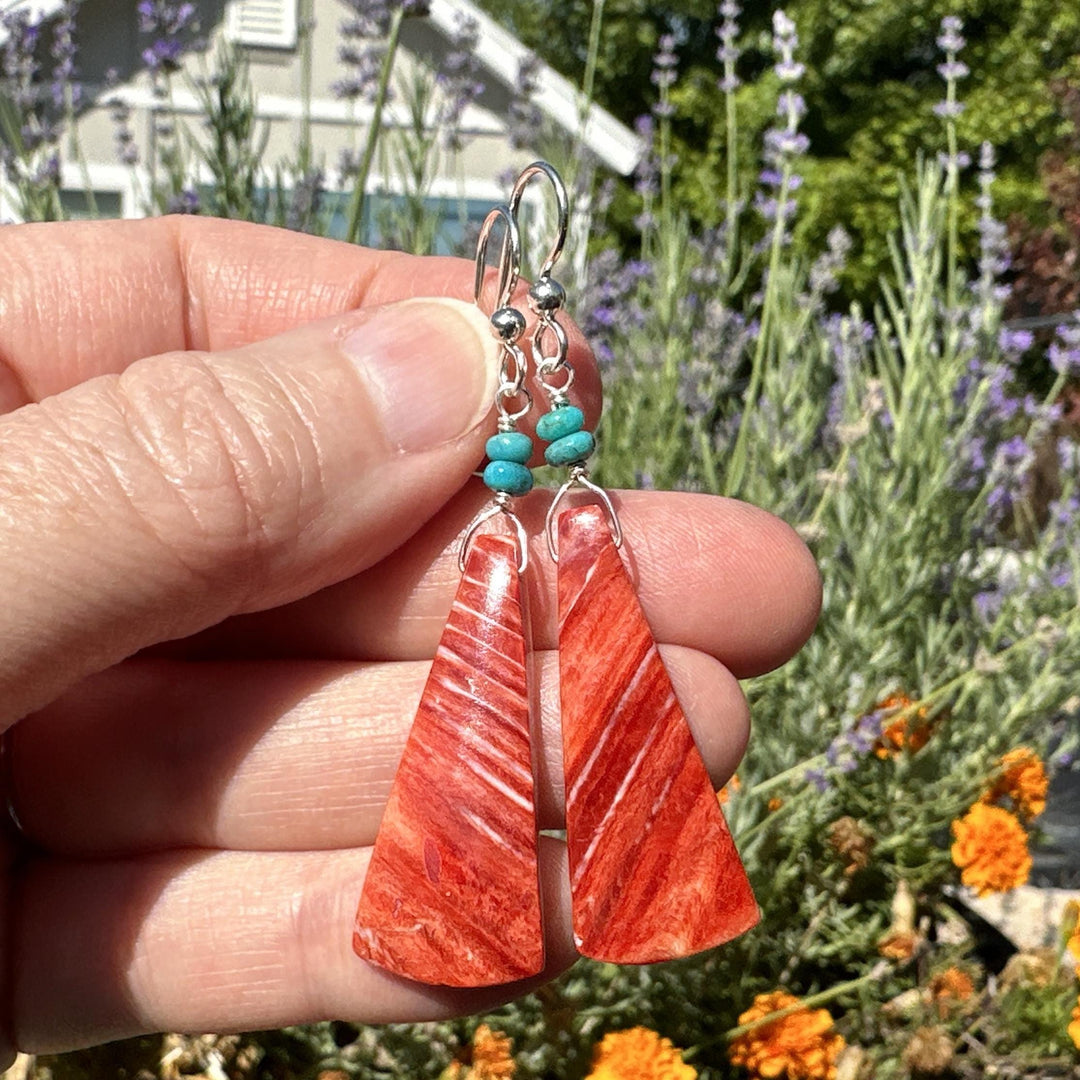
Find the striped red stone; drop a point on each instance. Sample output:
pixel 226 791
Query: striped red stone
pixel 451 895
pixel 654 872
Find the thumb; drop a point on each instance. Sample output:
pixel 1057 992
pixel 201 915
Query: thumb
pixel 145 506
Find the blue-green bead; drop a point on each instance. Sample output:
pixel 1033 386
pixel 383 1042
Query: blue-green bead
pixel 510 446
pixel 509 476
pixel 560 422
pixel 570 449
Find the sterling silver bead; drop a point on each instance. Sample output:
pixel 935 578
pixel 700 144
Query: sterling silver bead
pixel 546 294
pixel 509 323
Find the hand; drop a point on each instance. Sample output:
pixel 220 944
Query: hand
pixel 277 493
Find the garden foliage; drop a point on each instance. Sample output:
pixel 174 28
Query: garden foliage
pixel 870 86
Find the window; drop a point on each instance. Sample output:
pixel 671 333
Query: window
pixel 268 24
pixel 78 205
pixel 443 226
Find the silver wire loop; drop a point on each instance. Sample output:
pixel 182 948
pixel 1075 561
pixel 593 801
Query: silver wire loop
pixel 545 363
pixel 500 505
pixel 513 369
pixel 562 204
pixel 509 256
pixel 579 477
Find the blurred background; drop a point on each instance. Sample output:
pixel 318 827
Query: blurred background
pixel 827 257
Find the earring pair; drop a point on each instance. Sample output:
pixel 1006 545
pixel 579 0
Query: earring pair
pixel 451 896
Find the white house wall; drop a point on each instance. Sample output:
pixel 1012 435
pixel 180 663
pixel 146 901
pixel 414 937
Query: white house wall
pixel 109 38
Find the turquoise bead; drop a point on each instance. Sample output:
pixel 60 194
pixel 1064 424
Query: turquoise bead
pixel 510 446
pixel 570 449
pixel 560 422
pixel 509 476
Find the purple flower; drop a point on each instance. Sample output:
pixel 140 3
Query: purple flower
pixel 785 41
pixel 665 59
pixel 187 202
pixel 783 142
pixel 20 62
pixel 169 26
pixel 305 200
pixel 988 604
pixel 459 79
pixel 663 75
pixel 950 42
pixel 1064 352
pixel 524 116
pixel 1008 476
pixel 647 173
pixel 950 39
pixel 825 270
pixel 610 303
pixel 120 114
pixel 64 50
pixel 360 51
pixel 1014 342
pixel 948 109
pixel 953 69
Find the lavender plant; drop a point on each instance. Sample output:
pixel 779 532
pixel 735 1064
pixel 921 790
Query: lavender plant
pixel 940 496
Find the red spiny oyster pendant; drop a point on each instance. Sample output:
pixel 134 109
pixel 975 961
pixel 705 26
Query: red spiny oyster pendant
pixel 451 895
pixel 654 873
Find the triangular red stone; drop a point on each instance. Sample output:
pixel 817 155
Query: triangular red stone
pixel 451 895
pixel 654 872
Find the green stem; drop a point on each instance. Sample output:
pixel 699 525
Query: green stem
pixel 666 158
pixel 588 85
pixel 772 816
pixel 811 1002
pixel 950 270
pixel 737 466
pixel 307 17
pixel 356 204
pixel 732 208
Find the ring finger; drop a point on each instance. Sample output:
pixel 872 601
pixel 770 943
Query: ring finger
pixel 294 755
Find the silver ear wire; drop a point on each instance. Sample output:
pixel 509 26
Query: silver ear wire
pixel 562 205
pixel 509 256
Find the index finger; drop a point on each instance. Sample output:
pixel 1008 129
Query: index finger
pixel 80 299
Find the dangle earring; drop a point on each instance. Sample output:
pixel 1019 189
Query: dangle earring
pixel 451 895
pixel 654 873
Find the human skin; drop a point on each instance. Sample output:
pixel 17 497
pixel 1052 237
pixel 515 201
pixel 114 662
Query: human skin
pixel 235 465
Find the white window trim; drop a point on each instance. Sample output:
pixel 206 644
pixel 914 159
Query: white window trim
pixel 284 37
pixel 118 178
pixel 105 178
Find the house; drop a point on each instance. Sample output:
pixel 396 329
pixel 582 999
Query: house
pixel 292 52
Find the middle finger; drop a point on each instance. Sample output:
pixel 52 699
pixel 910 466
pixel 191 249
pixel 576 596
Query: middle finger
pixel 291 755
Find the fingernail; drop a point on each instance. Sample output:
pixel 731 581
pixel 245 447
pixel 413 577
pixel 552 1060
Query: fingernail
pixel 430 368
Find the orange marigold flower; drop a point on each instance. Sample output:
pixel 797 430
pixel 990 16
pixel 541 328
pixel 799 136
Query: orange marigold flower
pixel 1022 779
pixel 638 1054
pixel 729 789
pixel 903 732
pixel 898 944
pixel 490 1057
pixel 991 849
pixel 951 987
pixel 799 1046
pixel 1074 1027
